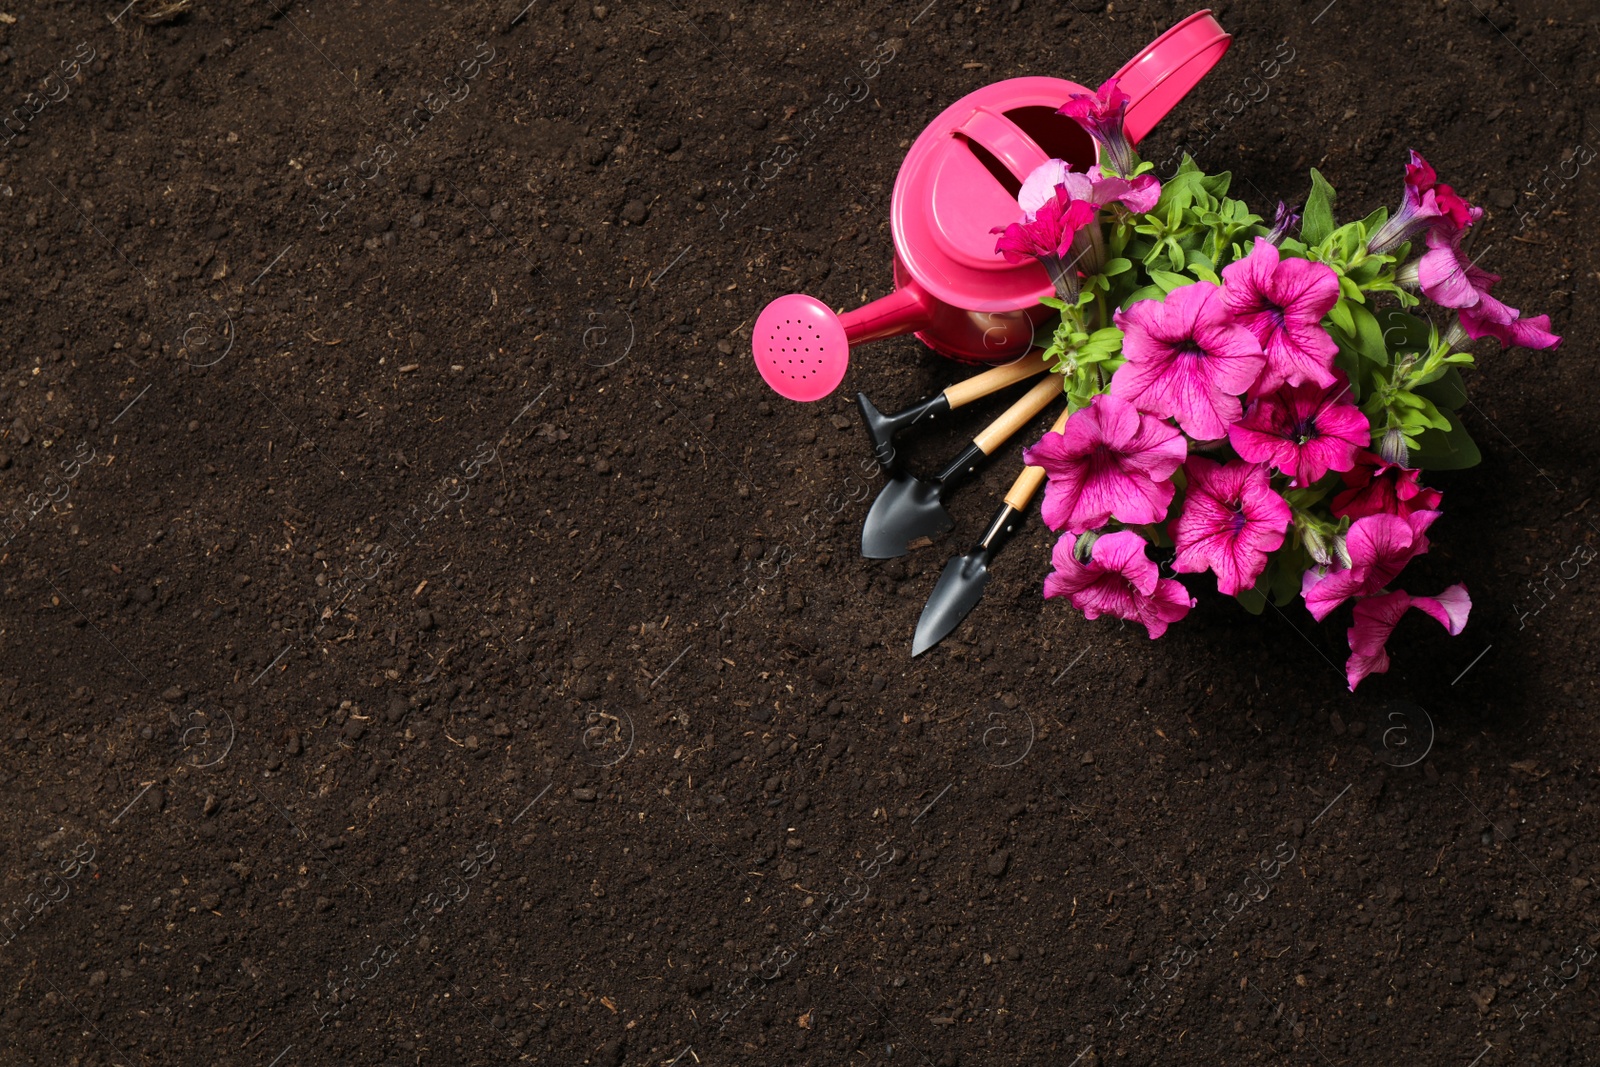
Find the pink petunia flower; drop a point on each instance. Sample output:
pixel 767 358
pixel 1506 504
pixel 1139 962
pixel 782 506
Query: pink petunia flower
pixel 1051 235
pixel 1374 487
pixel 1139 195
pixel 1187 358
pixel 1303 430
pixel 1048 232
pixel 1376 617
pixel 1282 302
pixel 1379 547
pixel 1451 280
pixel 1108 462
pixel 1231 521
pixel 1119 580
pixel 1102 114
pixel 1428 204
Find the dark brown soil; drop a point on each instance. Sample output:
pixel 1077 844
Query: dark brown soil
pixel 425 640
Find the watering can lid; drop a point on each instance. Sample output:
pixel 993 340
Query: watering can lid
pixel 950 191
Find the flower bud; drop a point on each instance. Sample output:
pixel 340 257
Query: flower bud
pixel 1085 545
pixel 1409 276
pixel 1283 221
pixel 1317 545
pixel 1341 550
pixel 1455 338
pixel 1393 448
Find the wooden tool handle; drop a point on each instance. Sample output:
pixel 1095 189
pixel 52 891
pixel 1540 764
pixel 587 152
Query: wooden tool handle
pixel 995 379
pixel 1017 415
pixel 1031 478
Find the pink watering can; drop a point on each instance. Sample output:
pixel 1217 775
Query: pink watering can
pixel 959 180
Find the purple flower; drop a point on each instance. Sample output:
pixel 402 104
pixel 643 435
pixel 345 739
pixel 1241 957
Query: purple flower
pixel 1303 431
pixel 1379 546
pixel 1108 462
pixel 1047 235
pixel 1428 204
pixel 1102 114
pixel 1231 521
pixel 1119 580
pixel 1187 358
pixel 1282 302
pixel 1451 280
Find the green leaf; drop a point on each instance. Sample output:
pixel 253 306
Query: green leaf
pixel 1253 600
pixel 1368 336
pixel 1351 291
pixel 1340 317
pixel 1116 267
pixel 1441 451
pixel 1169 281
pixel 1448 391
pixel 1148 292
pixel 1317 222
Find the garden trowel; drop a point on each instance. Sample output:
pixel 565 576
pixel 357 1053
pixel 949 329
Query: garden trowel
pixel 961 585
pixel 908 508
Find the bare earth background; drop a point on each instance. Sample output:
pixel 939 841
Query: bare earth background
pixel 425 640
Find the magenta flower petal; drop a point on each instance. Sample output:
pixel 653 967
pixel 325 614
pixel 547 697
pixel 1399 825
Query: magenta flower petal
pixel 1490 318
pixel 1048 233
pixel 1040 187
pixel 1380 546
pixel 1108 462
pixel 1376 617
pixel 1231 521
pixel 1119 580
pixel 1282 302
pixel 1442 272
pixel 1188 359
pixel 1102 114
pixel 1303 430
pixel 1374 487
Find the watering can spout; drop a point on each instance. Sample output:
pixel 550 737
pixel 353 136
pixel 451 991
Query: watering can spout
pixel 802 348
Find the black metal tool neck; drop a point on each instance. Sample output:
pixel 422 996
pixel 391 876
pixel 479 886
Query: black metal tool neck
pixel 1007 521
pixel 960 470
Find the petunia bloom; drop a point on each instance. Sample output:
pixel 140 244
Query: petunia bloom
pixel 1231 521
pixel 1450 279
pixel 1187 358
pixel 1119 580
pixel 1379 547
pixel 1282 302
pixel 1428 204
pixel 1102 114
pixel 1373 487
pixel 1108 462
pixel 1049 236
pixel 1376 617
pixel 1302 430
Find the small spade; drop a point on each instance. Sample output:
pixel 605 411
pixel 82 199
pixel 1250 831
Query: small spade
pixel 961 585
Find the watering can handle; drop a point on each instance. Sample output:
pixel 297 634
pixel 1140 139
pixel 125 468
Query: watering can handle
pixel 1167 68
pixel 1003 139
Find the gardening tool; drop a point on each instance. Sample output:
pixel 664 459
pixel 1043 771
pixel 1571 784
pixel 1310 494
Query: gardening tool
pixel 882 428
pixel 961 585
pixel 959 180
pixel 908 508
